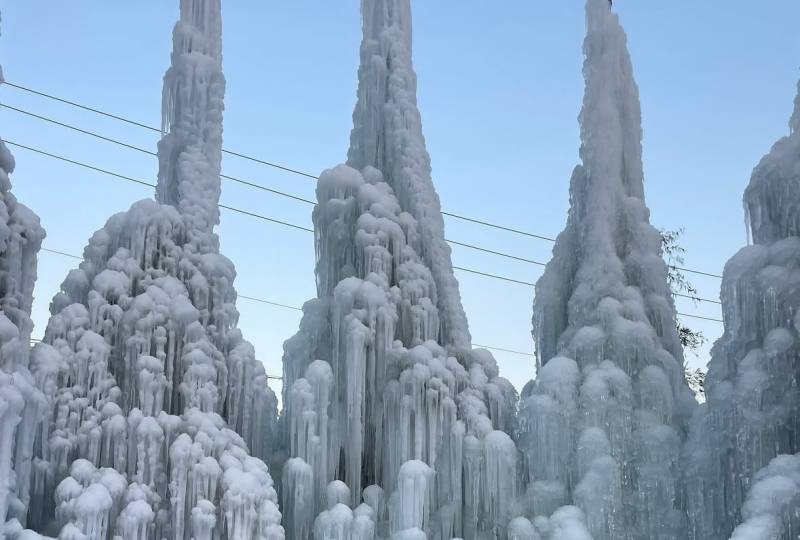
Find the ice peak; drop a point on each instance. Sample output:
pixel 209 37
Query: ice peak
pixel 604 325
pixel 190 152
pixel 611 117
pixel 387 135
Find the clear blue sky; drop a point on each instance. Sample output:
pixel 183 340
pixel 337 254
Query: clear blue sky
pixel 500 88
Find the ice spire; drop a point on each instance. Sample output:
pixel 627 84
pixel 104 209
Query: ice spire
pixel 21 403
pixel 190 152
pixel 159 415
pixel 602 424
pixel 387 135
pixel 385 401
pixel 752 414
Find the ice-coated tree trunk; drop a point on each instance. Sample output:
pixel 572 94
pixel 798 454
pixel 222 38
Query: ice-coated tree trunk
pixel 603 422
pixel 752 414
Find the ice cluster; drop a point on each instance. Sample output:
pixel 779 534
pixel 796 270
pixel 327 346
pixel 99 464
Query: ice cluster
pixel 395 426
pixel 157 417
pixel 21 402
pixel 753 385
pixel 601 427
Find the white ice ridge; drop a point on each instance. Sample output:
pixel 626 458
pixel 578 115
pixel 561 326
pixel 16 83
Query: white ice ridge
pixel 387 135
pixel 369 389
pixel 753 384
pixel 158 416
pixel 602 425
pixel 21 403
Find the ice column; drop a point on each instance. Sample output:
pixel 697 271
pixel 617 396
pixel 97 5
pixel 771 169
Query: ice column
pixel 146 373
pixel 381 371
pixel 752 412
pixel 601 427
pixel 21 403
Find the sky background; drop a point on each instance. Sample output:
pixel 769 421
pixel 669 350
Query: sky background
pixel 500 88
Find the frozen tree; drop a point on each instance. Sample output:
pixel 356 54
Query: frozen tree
pixel 603 423
pixel 393 423
pixel 158 414
pixel 753 383
pixel 21 403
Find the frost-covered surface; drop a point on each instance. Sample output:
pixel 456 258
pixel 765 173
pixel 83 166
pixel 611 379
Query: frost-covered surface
pixel 21 403
pixel 772 507
pixel 753 383
pixel 602 425
pixel 158 414
pixel 382 390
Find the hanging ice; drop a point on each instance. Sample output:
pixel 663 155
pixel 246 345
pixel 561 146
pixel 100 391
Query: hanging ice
pixel 381 373
pixel 159 415
pixel 601 427
pixel 753 383
pixel 21 403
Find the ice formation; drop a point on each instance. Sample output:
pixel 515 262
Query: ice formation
pixel 602 425
pixel 382 390
pixel 772 507
pixel 158 416
pixel 753 383
pixel 21 402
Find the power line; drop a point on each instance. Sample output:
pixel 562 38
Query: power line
pixel 291 225
pixel 495 276
pixel 306 201
pixel 697 298
pixel 496 226
pixel 274 165
pixel 261 216
pixel 249 183
pixel 148 152
pixel 503 350
pixel 699 317
pixel 151 128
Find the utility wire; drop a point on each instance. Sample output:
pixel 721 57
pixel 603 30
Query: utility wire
pixel 503 350
pixel 151 128
pixel 233 209
pixel 301 199
pixel 271 164
pixel 245 182
pixel 279 222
